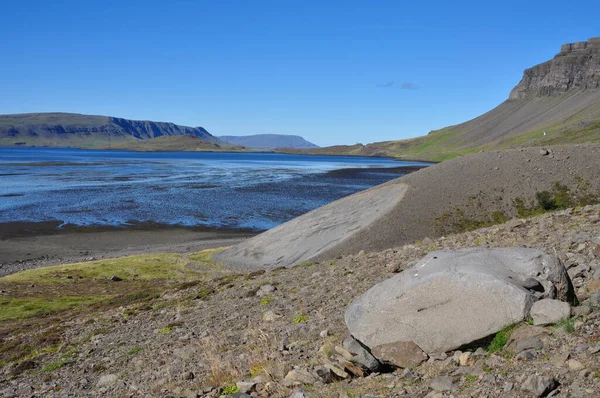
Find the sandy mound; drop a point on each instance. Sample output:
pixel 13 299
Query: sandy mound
pixel 422 204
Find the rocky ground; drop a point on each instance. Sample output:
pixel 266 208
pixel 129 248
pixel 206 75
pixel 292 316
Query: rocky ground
pixel 280 333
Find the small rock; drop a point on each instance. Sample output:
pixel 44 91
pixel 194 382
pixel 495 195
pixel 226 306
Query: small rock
pixel 324 334
pixel 532 343
pixel 508 386
pixel 559 359
pixel 265 290
pixel 361 355
pixel 525 356
pixel 540 386
pixel 297 394
pixel 442 383
pixel 574 364
pixel 106 380
pixel 270 316
pixel 188 376
pixel 549 311
pixel 343 352
pixel 581 310
pixel 464 359
pixel 115 278
pixel 544 152
pixel 298 377
pixel 403 354
pixel 245 386
pixel 594 302
pixel 352 368
pixel 337 370
pixel 324 374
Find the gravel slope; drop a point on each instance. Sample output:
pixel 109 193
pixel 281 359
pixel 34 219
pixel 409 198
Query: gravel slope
pixel 478 185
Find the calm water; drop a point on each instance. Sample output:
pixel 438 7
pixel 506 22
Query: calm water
pixel 221 190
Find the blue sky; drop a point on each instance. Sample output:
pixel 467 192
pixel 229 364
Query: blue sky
pixel 335 72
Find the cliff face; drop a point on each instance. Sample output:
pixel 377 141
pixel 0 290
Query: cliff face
pixel 75 129
pixel 576 67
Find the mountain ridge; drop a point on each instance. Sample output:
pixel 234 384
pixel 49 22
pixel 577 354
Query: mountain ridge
pixel 268 141
pixel 72 129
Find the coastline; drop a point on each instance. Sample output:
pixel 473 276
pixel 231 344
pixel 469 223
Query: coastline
pixel 32 245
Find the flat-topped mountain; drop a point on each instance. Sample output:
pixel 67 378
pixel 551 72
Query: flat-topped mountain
pixel 577 66
pixel 268 141
pixel 556 102
pixel 71 129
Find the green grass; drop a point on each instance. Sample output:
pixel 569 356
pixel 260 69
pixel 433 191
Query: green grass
pixel 22 308
pixel 568 325
pixel 266 300
pixel 134 350
pixel 230 389
pixel 301 319
pixel 144 267
pixel 205 256
pixel 500 339
pixel 56 365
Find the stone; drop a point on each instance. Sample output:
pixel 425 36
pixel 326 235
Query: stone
pixel 352 368
pixel 324 374
pixel 270 316
pixel 508 386
pixel 532 343
pixel 594 286
pixel 245 386
pixel 361 355
pixel 115 278
pixel 265 290
pixel 549 311
pixel 560 358
pixel 324 334
pixel 298 377
pixel 343 352
pixel 452 298
pixel 337 370
pixel 574 364
pixel 464 359
pixel 403 354
pixel 544 152
pixel 594 302
pixel 297 394
pixel 442 383
pixel 106 380
pixel 540 386
pixel 522 333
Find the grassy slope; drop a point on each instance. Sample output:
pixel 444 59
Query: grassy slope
pixel 566 119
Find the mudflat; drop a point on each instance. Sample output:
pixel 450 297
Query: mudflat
pixel 32 245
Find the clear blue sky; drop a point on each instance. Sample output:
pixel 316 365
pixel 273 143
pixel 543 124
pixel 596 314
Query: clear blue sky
pixel 335 72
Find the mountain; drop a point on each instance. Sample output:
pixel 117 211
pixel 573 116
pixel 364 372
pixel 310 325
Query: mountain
pixel 268 141
pixel 556 102
pixel 70 129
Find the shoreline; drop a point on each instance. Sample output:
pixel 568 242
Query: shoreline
pixel 47 246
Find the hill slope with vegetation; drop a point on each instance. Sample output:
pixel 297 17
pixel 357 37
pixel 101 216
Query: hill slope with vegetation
pixel 76 130
pixel 556 102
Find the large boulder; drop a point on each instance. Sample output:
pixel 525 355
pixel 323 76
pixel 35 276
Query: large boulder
pixel 452 298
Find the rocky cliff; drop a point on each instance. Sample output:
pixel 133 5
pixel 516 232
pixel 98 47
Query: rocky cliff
pixel 577 66
pixel 55 129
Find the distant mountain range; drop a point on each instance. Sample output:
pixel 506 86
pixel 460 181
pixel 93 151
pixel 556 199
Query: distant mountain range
pixel 70 129
pixel 268 141
pixel 99 132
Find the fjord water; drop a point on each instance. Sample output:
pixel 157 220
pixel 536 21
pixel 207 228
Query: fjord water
pixel 254 191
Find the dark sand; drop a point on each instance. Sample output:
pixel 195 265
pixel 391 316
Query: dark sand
pixel 33 245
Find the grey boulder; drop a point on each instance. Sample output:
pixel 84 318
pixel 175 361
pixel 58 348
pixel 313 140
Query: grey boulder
pixel 452 298
pixel 548 311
